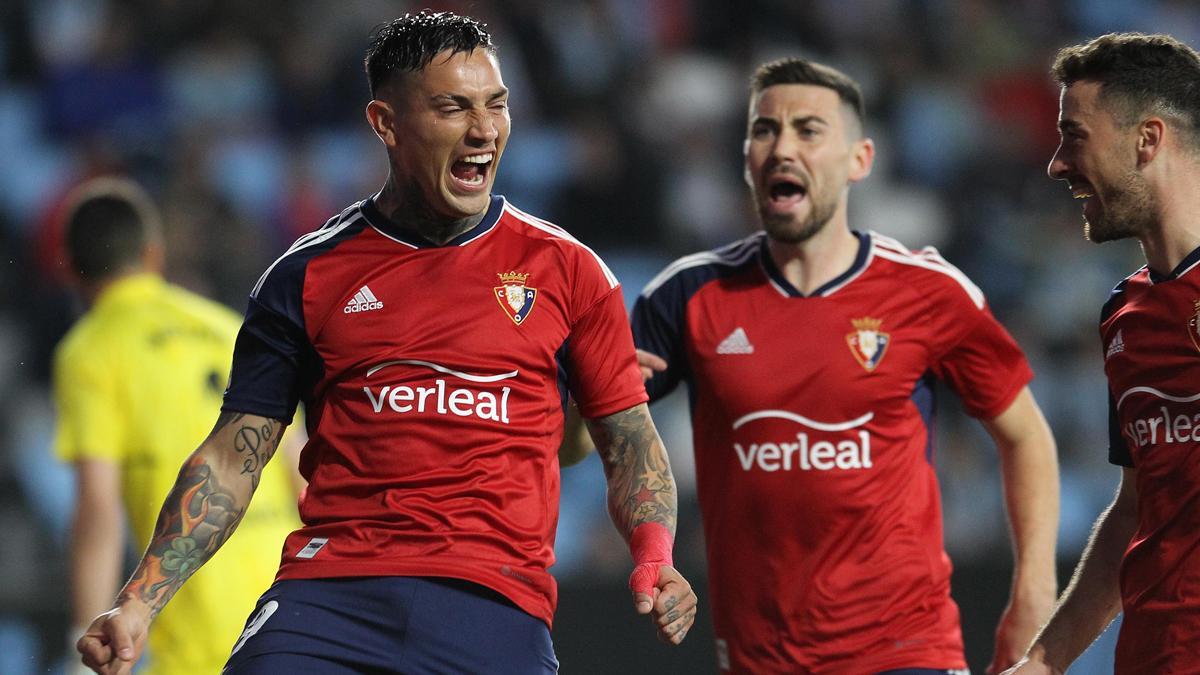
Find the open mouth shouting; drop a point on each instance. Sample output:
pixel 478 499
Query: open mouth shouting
pixel 784 192
pixel 470 172
pixel 1084 192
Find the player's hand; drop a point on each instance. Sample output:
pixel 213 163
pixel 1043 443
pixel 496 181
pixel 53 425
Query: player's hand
pixel 671 603
pixel 649 364
pixel 115 640
pixel 1018 627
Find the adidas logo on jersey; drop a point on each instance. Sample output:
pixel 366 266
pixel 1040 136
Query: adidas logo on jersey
pixel 1116 346
pixel 363 301
pixel 736 343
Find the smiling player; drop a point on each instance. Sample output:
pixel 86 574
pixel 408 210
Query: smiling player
pixel 1130 123
pixel 809 351
pixel 433 332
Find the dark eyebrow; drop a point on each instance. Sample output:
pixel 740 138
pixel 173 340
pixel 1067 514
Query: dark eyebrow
pixel 797 121
pixel 457 99
pixel 465 101
pixel 1069 125
pixel 809 119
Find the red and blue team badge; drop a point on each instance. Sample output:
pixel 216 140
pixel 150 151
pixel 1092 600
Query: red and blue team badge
pixel 516 299
pixel 1194 324
pixel 867 343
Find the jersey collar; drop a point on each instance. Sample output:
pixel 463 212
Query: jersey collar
pixel 1189 261
pixel 784 286
pixel 389 229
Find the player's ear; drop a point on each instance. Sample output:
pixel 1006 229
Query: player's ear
pixel 1152 133
pixel 382 118
pixel 154 257
pixel 862 158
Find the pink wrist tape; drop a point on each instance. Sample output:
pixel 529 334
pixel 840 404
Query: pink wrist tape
pixel 650 545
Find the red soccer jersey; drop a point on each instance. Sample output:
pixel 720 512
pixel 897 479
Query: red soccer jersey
pixel 811 421
pixel 1149 331
pixel 434 380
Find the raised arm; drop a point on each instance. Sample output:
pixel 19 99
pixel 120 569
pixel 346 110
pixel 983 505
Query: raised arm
pixel 1093 598
pixel 642 504
pixel 200 513
pixel 1030 470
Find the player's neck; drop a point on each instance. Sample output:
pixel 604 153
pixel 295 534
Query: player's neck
pixel 811 264
pixel 1177 232
pixel 409 212
pixel 90 291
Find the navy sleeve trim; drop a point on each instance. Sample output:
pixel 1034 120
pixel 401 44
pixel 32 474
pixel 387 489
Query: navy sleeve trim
pixel 660 315
pixel 274 362
pixel 1115 298
pixel 348 222
pixel 1118 449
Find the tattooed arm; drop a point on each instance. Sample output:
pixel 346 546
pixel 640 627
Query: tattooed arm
pixel 642 504
pixel 641 488
pixel 203 509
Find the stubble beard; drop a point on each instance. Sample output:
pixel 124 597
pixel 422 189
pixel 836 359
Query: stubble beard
pixel 785 229
pixel 1130 212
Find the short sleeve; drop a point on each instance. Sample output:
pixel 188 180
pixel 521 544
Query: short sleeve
pixel 1118 449
pixel 90 423
pixel 658 328
pixel 980 361
pixel 269 365
pixel 602 370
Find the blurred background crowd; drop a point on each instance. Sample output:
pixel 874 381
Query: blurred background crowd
pixel 245 120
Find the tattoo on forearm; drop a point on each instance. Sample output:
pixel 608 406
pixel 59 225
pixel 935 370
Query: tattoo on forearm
pixel 200 513
pixel 641 488
pixel 197 517
pixel 254 444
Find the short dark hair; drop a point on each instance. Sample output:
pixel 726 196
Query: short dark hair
pixel 802 71
pixel 1138 74
pixel 109 224
pixel 409 43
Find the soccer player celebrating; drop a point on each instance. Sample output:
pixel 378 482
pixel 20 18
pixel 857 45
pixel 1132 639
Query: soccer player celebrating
pixel 1130 125
pixel 433 332
pixel 137 382
pixel 809 351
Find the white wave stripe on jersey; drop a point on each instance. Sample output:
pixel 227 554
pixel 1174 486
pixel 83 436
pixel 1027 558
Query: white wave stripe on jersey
pixel 931 260
pixel 442 369
pixel 1155 392
pixel 730 255
pixel 551 228
pixel 311 239
pixel 800 419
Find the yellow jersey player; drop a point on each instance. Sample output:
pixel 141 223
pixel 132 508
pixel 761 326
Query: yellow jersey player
pixel 137 382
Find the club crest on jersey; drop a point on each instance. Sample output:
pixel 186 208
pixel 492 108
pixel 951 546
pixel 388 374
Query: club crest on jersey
pixel 515 298
pixel 1194 324
pixel 867 343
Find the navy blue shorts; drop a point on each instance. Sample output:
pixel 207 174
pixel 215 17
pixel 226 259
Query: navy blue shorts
pixel 384 625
